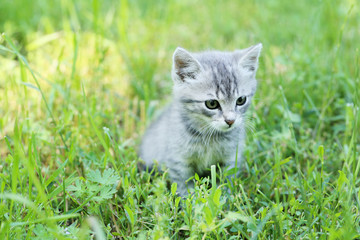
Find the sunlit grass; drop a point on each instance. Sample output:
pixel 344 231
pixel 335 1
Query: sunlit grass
pixel 80 81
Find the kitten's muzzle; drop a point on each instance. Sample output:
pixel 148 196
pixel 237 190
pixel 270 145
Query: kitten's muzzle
pixel 229 122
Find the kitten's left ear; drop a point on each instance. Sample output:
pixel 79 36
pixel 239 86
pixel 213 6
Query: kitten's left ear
pixel 248 58
pixel 185 66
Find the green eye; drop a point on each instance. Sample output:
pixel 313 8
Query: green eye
pixel 241 101
pixel 212 104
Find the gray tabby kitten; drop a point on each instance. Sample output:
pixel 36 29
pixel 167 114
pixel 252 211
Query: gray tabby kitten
pixel 205 123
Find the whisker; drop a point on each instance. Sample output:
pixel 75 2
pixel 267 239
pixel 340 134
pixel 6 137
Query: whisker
pixel 249 124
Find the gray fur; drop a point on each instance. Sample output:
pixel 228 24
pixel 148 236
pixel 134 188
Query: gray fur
pixel 188 137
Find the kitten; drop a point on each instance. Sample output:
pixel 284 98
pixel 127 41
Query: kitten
pixel 205 123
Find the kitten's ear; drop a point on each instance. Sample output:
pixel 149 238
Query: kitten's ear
pixel 185 66
pixel 248 58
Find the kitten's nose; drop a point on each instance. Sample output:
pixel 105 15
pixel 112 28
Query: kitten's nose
pixel 229 122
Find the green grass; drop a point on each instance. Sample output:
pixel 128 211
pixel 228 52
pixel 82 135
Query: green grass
pixel 81 80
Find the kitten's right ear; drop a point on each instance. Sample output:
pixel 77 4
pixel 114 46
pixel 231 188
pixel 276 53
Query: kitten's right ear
pixel 249 58
pixel 185 66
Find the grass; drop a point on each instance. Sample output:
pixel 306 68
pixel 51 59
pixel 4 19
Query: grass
pixel 80 81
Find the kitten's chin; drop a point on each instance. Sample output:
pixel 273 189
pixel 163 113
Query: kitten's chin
pixel 225 128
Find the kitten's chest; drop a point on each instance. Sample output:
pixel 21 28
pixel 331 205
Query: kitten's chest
pixel 200 157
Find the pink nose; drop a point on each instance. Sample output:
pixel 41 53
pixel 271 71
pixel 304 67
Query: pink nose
pixel 229 122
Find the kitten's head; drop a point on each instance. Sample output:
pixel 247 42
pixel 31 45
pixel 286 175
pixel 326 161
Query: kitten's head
pixel 213 89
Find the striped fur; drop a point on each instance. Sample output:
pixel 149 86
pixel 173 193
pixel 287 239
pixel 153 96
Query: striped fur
pixel 188 137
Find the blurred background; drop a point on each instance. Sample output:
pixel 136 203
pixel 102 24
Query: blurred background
pixel 122 50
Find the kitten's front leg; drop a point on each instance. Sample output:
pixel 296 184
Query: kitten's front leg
pixel 182 188
pixel 180 176
pixel 234 164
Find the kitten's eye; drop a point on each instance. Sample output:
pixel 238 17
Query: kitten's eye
pixel 241 101
pixel 212 104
